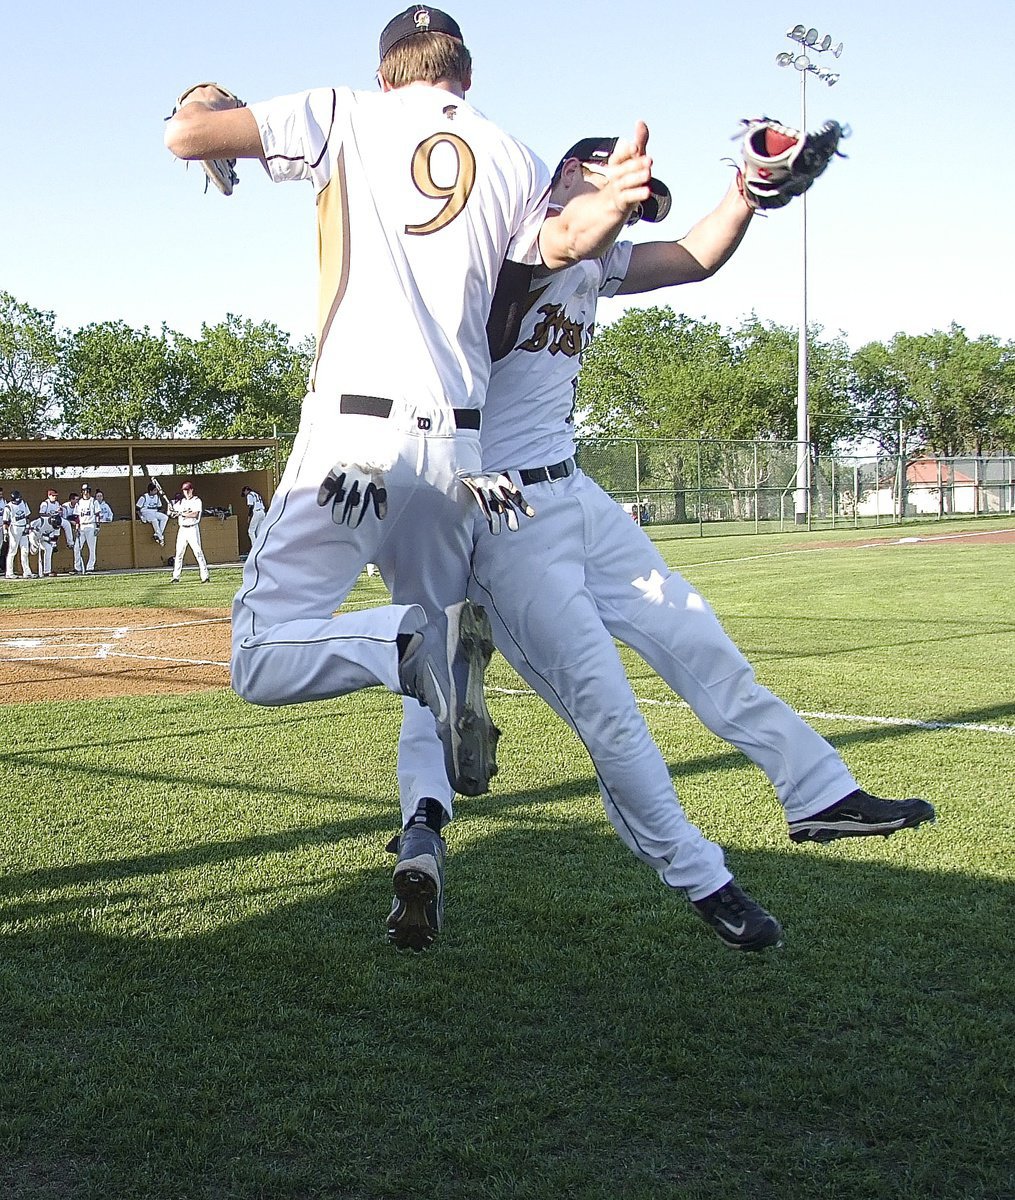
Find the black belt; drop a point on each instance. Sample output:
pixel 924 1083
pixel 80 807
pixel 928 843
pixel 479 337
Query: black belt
pixel 377 406
pixel 559 470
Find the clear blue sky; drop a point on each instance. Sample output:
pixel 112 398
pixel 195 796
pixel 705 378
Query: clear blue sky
pixel 910 233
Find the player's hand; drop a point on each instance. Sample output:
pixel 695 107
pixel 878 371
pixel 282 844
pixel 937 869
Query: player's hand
pixel 629 171
pixel 497 496
pixel 352 490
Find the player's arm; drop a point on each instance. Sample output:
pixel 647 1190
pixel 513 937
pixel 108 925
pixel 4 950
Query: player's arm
pixel 209 126
pixel 697 255
pixel 588 225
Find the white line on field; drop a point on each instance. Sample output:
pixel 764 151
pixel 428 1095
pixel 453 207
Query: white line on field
pixel 863 718
pixel 120 630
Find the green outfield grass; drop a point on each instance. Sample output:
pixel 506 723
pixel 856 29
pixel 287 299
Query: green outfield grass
pixel 198 1001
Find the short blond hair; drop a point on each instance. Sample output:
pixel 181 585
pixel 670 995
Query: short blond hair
pixel 425 58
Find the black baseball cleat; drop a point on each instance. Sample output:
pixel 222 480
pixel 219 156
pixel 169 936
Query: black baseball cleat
pixel 861 815
pixel 417 911
pixel 443 667
pixel 738 920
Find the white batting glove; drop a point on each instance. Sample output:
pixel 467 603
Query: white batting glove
pixel 352 490
pixel 497 496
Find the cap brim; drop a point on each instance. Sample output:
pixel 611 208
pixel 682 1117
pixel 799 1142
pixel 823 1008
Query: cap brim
pixel 658 205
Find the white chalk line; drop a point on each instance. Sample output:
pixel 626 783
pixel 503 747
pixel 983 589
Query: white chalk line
pixel 119 630
pixel 862 718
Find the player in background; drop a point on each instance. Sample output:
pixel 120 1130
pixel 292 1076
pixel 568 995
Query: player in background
pixel 104 511
pixel 150 511
pixel 70 527
pixel 255 509
pixel 601 577
pixel 419 202
pixel 43 535
pixel 188 509
pixel 16 515
pixel 88 522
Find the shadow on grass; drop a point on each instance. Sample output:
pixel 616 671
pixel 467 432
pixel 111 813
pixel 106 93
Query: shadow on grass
pixel 577 1031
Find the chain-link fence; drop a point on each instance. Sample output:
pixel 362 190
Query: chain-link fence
pixel 725 487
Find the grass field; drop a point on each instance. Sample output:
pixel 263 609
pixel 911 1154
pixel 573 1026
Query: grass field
pixel 197 1000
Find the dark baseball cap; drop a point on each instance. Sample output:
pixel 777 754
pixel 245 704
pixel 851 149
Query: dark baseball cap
pixel 418 18
pixel 595 152
pixel 85 487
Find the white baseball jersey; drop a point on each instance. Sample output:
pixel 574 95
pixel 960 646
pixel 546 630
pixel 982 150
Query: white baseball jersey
pixel 419 200
pixel 255 503
pixel 88 512
pixel 148 500
pixel 529 416
pixel 50 508
pixel 17 514
pixel 188 512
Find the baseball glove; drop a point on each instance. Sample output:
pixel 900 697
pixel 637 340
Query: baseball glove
pixel 780 162
pixel 219 171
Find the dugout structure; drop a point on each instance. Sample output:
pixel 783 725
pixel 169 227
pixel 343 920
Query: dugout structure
pixel 33 465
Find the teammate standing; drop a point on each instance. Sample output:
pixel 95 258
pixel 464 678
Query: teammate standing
pixel 188 509
pixel 255 507
pixel 149 509
pixel 16 516
pixel 419 202
pixel 601 577
pixel 88 522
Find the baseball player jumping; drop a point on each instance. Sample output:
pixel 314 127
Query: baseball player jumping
pixel 419 201
pixel 600 576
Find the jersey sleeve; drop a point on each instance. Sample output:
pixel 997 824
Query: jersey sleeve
pixel 616 264
pixel 295 132
pixel 524 245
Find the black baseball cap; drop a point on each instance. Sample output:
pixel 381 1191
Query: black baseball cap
pixel 595 152
pixel 418 18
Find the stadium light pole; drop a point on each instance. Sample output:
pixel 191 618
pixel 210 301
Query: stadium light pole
pixel 811 43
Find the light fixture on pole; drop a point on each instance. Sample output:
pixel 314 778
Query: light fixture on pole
pixel 811 43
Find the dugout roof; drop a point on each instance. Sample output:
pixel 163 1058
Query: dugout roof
pixel 21 455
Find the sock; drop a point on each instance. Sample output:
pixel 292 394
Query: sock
pixel 431 813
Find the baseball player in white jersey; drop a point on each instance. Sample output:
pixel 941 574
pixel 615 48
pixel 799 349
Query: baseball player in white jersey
pixel 150 510
pixel 70 527
pixel 255 509
pixel 599 577
pixel 49 508
pixel 188 509
pixel 88 522
pixel 420 200
pixel 43 535
pixel 105 512
pixel 16 516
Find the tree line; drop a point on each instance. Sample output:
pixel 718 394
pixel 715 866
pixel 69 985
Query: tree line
pixel 658 373
pixel 652 373
pixel 108 379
